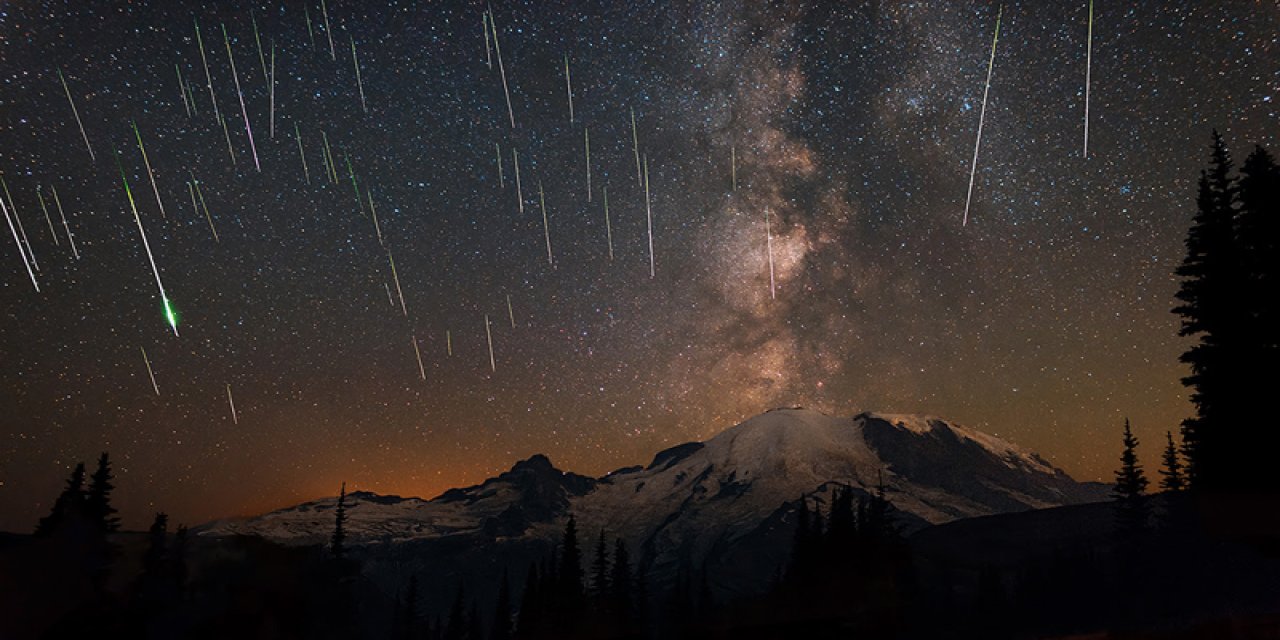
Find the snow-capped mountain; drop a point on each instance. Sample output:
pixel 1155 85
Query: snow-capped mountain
pixel 722 505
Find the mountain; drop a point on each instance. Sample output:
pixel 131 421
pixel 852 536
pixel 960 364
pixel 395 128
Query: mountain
pixel 723 506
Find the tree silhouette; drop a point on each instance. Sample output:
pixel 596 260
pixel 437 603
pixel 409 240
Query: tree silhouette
pixel 1172 470
pixel 1131 488
pixel 501 627
pixel 98 501
pixel 600 569
pixel 71 499
pixel 1259 242
pixel 336 542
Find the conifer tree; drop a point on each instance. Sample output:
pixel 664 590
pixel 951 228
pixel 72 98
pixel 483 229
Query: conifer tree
pixel 1259 241
pixel 1209 304
pixel 98 501
pixel 620 584
pixel 71 499
pixel 157 548
pixel 1172 470
pixel 456 628
pixel 600 569
pixel 529 618
pixel 571 563
pixel 501 627
pixel 1130 490
pixel 339 538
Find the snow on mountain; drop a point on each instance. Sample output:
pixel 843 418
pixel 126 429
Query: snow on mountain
pixel 723 504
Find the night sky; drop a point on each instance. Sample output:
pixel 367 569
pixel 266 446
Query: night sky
pixel 1044 320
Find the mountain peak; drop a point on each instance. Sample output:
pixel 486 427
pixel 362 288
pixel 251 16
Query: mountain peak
pixel 535 462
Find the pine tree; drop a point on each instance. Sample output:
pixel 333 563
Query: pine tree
pixel 98 501
pixel 456 627
pixel 600 569
pixel 71 499
pixel 620 584
pixel 1172 471
pixel 1131 488
pixel 501 627
pixel 409 609
pixel 571 563
pixel 1210 309
pixel 178 560
pixel 1259 241
pixel 336 543
pixel 157 549
pixel 529 618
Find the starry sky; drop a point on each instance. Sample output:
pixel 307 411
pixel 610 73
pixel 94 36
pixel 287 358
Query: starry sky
pixel 849 128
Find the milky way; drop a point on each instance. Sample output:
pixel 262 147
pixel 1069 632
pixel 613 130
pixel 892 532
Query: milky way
pixel 849 125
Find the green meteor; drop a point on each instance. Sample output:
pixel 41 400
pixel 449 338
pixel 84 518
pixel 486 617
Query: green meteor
pixel 170 316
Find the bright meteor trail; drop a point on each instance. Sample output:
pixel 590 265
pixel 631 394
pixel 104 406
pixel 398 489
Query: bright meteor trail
pixel 18 242
pixel 77 114
pixel 234 76
pixel 168 308
pixel 150 174
pixel 1088 68
pixel 973 169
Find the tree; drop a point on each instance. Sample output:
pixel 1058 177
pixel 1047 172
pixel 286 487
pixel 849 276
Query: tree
pixel 620 584
pixel 501 628
pixel 336 543
pixel 1130 490
pixel 571 563
pixel 98 501
pixel 600 569
pixel 157 548
pixel 1172 471
pixel 71 499
pixel 1209 306
pixel 527 623
pixel 456 627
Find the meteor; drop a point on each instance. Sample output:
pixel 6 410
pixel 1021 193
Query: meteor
pixel 733 166
pixel 973 170
pixel 327 31
pixel 488 49
pixel 273 89
pixel 209 79
pixel 151 374
pixel 169 314
pixel 243 112
pixel 768 236
pixel 70 238
pixel 396 277
pixel 262 59
pixel 47 219
pixel 546 230
pixel 351 173
pixel 515 158
pixel 448 342
pixel 226 133
pixel 608 230
pixel 207 217
pixel 31 254
pixel 497 149
pixel 360 83
pixel 493 366
pixel 232 401
pixel 182 90
pixel 1088 68
pixel 333 167
pixel 301 155
pixel 635 146
pixel 150 174
pixel 568 86
pixel 502 70
pixel 648 212
pixel 306 13
pixel 76 112
pixel 376 227
pixel 18 242
pixel 416 352
pixel 511 313
pixel 586 137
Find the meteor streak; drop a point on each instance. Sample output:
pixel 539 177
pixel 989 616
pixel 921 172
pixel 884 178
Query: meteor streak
pixel 76 112
pixel 243 112
pixel 47 219
pixel 232 401
pixel 208 218
pixel 608 229
pixel 973 169
pixel 169 314
pixel 502 70
pixel 635 146
pixel 273 89
pixel 568 86
pixel 493 366
pixel 648 212
pixel 546 230
pixel 311 33
pixel 65 227
pixel 151 374
pixel 182 90
pixel 448 342
pixel 209 79
pixel 302 155
pixel 376 227
pixel 262 59
pixel 768 236
pixel 18 242
pixel 327 31
pixel 515 158
pixel 360 83
pixel 586 138
pixel 1088 68
pixel 497 150
pixel 733 166
pixel 511 313
pixel 150 174
pixel 488 49
pixel 396 277
pixel 31 254
pixel 418 353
